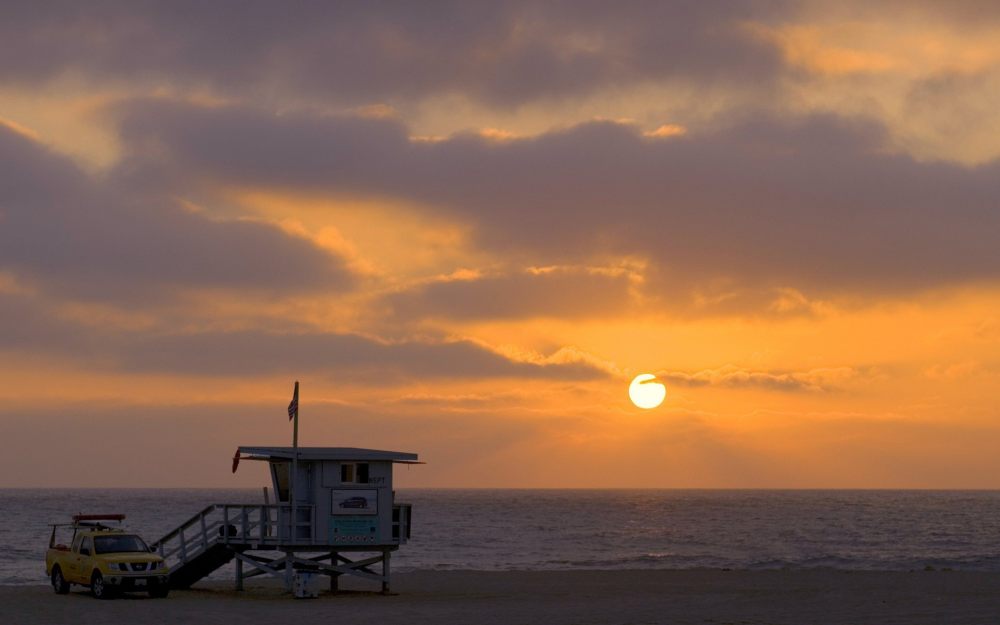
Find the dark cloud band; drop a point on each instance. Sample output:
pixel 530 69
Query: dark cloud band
pixel 502 54
pixel 814 203
pixel 92 239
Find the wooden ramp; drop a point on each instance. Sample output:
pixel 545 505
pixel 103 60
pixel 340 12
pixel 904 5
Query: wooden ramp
pixel 184 574
pixel 199 546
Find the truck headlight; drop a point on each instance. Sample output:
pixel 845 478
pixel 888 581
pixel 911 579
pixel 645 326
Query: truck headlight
pixel 155 566
pixel 117 566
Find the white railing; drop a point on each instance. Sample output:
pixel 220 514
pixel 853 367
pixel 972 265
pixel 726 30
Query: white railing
pixel 245 525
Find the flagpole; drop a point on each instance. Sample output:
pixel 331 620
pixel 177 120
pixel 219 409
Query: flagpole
pixel 293 414
pixel 295 461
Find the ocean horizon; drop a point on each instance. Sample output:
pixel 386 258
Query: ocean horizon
pixel 567 529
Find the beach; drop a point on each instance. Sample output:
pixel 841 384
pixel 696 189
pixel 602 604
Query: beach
pixel 765 597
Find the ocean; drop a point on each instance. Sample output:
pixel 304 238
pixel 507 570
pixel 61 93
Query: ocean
pixel 590 529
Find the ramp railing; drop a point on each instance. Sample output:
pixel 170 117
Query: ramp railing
pixel 246 526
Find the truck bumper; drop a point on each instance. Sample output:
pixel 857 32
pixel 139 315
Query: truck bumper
pixel 137 582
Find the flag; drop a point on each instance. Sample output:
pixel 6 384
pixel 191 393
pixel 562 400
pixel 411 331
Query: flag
pixel 293 406
pixel 236 459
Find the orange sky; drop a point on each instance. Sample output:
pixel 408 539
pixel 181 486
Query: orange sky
pixel 464 230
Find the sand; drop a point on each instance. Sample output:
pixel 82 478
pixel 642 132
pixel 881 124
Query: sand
pixel 810 597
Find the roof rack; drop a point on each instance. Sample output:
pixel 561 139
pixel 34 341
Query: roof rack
pixel 87 522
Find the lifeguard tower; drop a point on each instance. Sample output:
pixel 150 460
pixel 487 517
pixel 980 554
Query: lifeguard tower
pixel 331 503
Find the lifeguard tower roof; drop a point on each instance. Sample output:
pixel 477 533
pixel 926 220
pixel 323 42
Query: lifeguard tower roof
pixel 329 453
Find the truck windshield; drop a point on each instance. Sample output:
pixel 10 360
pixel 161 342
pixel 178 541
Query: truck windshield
pixel 121 543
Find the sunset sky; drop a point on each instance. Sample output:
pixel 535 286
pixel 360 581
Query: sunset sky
pixel 464 227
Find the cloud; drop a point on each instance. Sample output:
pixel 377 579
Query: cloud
pixel 731 376
pixel 36 330
pixel 756 207
pixel 503 54
pixel 962 370
pixel 563 292
pixel 88 238
pixel 347 356
pixel 30 327
pixel 957 109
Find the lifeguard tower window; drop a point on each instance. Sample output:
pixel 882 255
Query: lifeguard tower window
pixel 354 473
pixel 281 471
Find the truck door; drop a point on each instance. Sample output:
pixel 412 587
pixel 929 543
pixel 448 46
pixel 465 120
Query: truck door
pixel 84 558
pixel 71 562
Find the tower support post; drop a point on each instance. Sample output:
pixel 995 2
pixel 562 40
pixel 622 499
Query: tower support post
pixel 385 571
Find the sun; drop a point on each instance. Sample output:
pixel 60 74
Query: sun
pixel 646 392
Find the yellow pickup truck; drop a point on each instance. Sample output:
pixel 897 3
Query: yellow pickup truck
pixel 107 559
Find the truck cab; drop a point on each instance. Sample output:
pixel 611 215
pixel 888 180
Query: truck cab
pixel 106 559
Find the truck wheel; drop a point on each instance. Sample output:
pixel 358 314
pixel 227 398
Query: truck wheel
pixel 59 583
pixel 98 587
